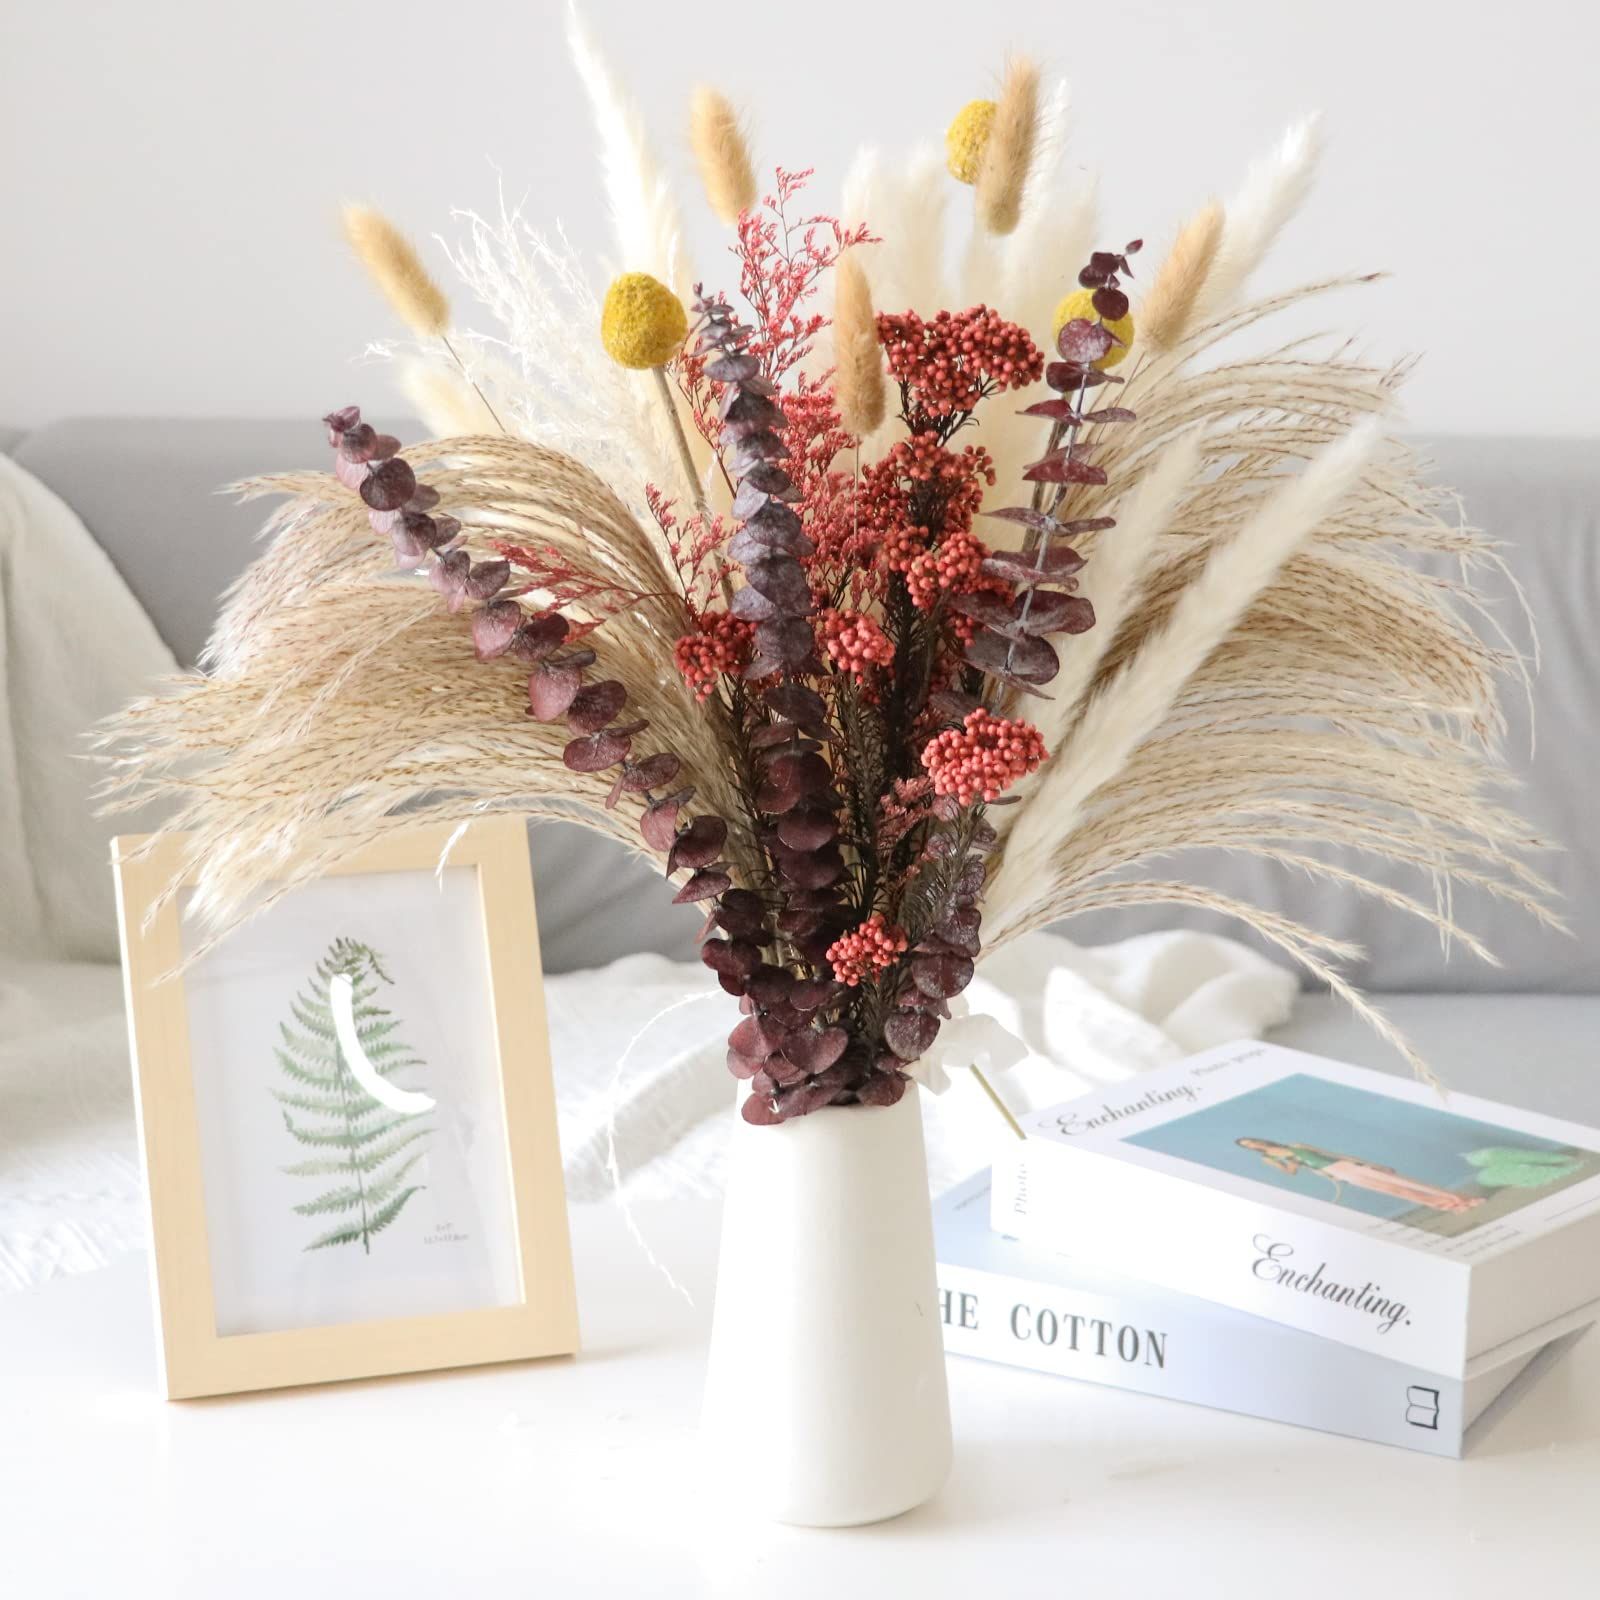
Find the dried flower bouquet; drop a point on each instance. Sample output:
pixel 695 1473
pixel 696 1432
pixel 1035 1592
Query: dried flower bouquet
pixel 891 633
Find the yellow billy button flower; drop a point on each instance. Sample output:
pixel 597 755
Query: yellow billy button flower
pixel 965 138
pixel 642 323
pixel 1079 306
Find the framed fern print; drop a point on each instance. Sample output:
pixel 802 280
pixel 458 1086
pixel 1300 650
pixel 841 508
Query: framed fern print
pixel 347 1118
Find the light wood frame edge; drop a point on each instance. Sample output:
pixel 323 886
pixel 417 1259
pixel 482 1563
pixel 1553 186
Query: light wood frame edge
pixel 195 1360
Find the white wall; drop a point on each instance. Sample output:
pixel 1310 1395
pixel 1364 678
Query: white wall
pixel 171 171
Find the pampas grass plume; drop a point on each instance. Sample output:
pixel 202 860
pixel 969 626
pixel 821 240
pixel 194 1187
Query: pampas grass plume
pixel 1168 310
pixel 859 387
pixel 721 153
pixel 1008 155
pixel 397 269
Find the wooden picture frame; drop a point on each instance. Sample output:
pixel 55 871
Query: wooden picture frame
pixel 533 1312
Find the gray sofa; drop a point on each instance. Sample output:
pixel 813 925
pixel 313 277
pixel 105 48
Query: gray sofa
pixel 147 490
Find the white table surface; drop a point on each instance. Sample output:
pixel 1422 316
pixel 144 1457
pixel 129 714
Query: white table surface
pixel 577 1476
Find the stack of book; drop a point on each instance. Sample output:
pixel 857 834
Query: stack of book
pixel 1273 1233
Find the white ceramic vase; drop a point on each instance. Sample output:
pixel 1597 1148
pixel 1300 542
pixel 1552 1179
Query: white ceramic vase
pixel 825 1398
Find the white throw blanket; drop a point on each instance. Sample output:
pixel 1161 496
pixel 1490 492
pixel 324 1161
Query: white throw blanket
pixel 76 644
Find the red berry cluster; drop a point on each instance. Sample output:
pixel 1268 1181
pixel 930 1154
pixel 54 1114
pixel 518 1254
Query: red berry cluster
pixel 720 644
pixel 866 950
pixel 984 758
pixel 951 362
pixel 854 642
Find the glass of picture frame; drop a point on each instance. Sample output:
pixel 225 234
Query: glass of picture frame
pixel 346 1114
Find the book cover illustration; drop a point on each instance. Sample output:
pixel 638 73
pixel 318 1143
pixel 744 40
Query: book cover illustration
pixel 1418 1165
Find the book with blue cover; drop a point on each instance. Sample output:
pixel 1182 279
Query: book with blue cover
pixel 1002 1301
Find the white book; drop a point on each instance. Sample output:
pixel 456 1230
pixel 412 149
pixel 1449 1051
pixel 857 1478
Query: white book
pixel 1008 1302
pixel 1442 1231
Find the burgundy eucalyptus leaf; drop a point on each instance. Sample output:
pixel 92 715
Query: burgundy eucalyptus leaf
pixel 816 869
pixel 741 913
pixel 578 660
pixel 812 994
pixel 539 636
pixel 803 770
pixel 1028 661
pixel 1112 304
pixel 882 1088
pixel 352 474
pixel 1113 414
pixel 732 368
pixel 785 639
pixel 742 1066
pixel 736 957
pixel 389 485
pixel 1055 612
pixel 340 422
pixel 816 1050
pixel 988 609
pixel 746 547
pixel 754 1037
pixel 783 1071
pixel 449 576
pixel 1056 410
pixel 699 844
pixel 626 730
pixel 596 706
pixel 774 523
pixel 808 830
pixel 486 579
pixel 1067 376
pixel 383 446
pixel 493 628
pixel 659 826
pixel 783 581
pixel 356 444
pixel 1057 563
pixel 1083 342
pixel 654 772
pixel 1064 466
pixel 745 411
pixel 942 976
pixel 704 885
pixel 423 498
pixel 814 946
pixel 761 1107
pixel 961 929
pixel 750 605
pixel 796 703
pixel 770 734
pixel 595 753
pixel 771 986
pixel 551 690
pixel 756 447
pixel 909 1033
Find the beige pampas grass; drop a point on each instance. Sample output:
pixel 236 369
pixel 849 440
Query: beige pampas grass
pixel 1168 310
pixel 1008 155
pixel 859 386
pixel 721 153
pixel 644 210
pixel 1274 189
pixel 394 265
pixel 308 736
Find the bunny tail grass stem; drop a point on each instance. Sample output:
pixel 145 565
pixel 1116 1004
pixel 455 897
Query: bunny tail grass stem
pixel 997 1102
pixel 461 367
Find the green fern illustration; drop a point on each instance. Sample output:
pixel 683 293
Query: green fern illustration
pixel 351 1135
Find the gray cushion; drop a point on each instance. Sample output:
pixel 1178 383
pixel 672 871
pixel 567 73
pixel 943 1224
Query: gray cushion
pixel 148 490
